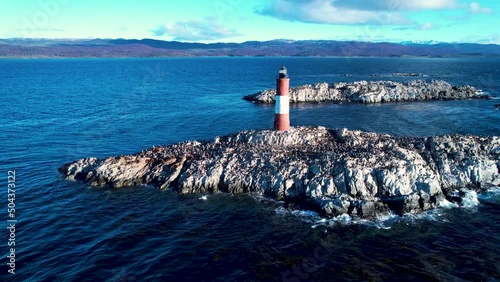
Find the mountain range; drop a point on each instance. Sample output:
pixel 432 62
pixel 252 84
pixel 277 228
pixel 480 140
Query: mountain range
pixel 97 48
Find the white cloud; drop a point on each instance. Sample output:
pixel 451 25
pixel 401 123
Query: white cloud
pixel 377 12
pixel 395 5
pixel 426 26
pixel 326 11
pixel 196 30
pixel 426 4
pixel 491 39
pixel 476 8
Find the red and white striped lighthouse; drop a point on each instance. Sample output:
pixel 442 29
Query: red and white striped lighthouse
pixel 282 108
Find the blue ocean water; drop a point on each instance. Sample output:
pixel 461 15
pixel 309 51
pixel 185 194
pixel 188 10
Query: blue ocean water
pixel 55 111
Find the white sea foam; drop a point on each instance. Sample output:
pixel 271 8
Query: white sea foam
pixel 491 196
pixel 470 200
pixel 203 198
pixel 306 213
pixel 343 219
pixel 385 221
pixel 445 204
pixel 382 221
pixel 430 215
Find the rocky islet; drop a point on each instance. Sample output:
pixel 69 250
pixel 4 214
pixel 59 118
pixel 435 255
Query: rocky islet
pixel 335 171
pixel 374 92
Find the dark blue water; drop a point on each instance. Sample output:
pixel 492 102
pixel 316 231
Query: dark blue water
pixel 56 111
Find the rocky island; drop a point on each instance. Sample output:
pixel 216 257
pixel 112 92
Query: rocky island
pixel 374 92
pixel 334 171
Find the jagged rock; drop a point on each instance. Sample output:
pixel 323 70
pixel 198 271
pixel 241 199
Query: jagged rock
pixel 374 92
pixel 337 170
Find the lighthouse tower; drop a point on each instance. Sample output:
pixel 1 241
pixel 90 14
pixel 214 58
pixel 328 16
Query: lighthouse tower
pixel 282 110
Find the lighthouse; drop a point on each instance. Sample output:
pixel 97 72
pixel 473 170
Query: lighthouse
pixel 282 108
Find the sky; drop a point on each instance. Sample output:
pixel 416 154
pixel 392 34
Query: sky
pixel 243 20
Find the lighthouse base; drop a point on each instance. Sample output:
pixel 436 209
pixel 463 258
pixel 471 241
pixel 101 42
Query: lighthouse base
pixel 281 122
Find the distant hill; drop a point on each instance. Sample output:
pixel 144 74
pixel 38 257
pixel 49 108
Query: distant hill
pixel 157 48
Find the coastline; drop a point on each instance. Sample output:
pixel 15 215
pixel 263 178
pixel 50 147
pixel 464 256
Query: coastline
pixel 368 92
pixel 336 171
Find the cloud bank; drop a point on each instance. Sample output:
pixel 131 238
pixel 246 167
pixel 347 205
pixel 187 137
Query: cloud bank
pixel 476 8
pixel 195 30
pixel 348 12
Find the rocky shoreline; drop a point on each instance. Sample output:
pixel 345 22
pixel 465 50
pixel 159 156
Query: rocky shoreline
pixel 334 171
pixel 399 74
pixel 374 92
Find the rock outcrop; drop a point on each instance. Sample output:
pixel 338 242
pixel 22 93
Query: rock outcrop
pixel 399 74
pixel 374 92
pixel 337 171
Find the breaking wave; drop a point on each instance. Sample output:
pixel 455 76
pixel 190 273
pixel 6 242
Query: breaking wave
pixel 470 200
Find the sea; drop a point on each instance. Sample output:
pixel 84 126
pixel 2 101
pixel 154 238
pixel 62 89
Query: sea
pixel 54 111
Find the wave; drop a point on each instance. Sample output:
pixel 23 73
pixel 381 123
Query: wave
pixel 491 196
pixel 382 221
pixel 470 200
